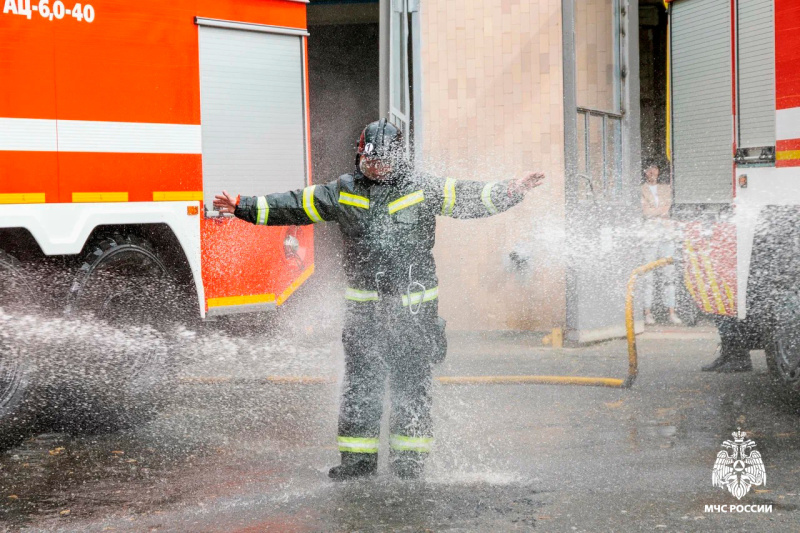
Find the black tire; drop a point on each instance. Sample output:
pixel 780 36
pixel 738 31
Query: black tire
pixel 124 284
pixel 783 348
pixel 19 401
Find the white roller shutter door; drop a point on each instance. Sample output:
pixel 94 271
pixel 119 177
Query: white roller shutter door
pixel 702 116
pixel 253 112
pixel 756 84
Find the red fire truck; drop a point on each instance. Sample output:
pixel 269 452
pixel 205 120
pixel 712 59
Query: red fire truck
pixel 119 121
pixel 734 141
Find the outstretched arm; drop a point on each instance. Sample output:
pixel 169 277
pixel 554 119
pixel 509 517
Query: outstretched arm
pixel 478 199
pixel 315 203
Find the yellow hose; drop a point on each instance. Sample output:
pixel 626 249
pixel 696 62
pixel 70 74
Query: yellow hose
pixel 633 358
pixel 526 380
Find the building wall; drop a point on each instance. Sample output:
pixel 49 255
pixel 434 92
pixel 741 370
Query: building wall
pixel 596 58
pixel 492 107
pixel 594 54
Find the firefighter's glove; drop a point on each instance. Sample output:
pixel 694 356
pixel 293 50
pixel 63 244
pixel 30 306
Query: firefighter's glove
pixel 529 181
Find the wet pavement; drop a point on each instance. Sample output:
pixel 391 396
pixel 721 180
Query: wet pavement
pixel 239 452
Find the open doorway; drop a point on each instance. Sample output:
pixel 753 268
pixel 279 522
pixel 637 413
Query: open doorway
pixel 653 80
pixel 344 95
pixel 654 87
pixel 344 81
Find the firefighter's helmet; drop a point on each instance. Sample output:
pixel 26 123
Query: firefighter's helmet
pixel 380 139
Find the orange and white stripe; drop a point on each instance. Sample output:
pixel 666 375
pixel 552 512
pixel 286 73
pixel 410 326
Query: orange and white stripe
pixel 42 135
pixel 84 161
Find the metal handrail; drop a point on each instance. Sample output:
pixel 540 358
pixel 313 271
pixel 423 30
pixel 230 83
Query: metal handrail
pixel 605 117
pixel 593 111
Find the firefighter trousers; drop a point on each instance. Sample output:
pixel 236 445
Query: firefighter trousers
pixel 384 341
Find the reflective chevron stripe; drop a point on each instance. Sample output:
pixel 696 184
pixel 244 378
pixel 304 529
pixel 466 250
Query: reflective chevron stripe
pixel 449 197
pixel 413 444
pixel 486 197
pixel 262 211
pixel 357 445
pixel 406 201
pixel 357 295
pixel 354 200
pixel 308 204
pixel 417 297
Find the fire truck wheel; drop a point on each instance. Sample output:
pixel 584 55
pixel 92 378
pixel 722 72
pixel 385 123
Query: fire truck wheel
pixel 122 283
pixel 19 404
pixel 783 348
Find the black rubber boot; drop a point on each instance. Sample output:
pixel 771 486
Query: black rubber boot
pixel 734 351
pixel 716 363
pixel 354 466
pixel 408 465
pixel 740 363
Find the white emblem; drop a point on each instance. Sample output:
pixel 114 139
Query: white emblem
pixel 740 468
pixel 368 148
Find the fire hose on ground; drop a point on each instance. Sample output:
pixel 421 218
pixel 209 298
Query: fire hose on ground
pixel 633 360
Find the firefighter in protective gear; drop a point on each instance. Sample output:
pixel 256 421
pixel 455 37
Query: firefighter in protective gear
pixel 387 214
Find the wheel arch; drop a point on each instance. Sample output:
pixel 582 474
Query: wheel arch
pixel 160 236
pixel 774 265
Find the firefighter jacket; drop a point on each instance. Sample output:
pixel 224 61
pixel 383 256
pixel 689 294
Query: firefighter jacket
pixel 388 227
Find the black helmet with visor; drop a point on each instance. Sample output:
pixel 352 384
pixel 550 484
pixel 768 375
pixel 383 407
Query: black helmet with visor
pixel 381 140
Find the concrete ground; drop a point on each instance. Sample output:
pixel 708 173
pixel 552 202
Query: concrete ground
pixel 244 454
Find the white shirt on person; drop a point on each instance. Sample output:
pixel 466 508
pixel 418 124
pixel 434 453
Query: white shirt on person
pixel 654 190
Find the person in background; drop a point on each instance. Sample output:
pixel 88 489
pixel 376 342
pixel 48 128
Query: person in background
pixel 658 241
